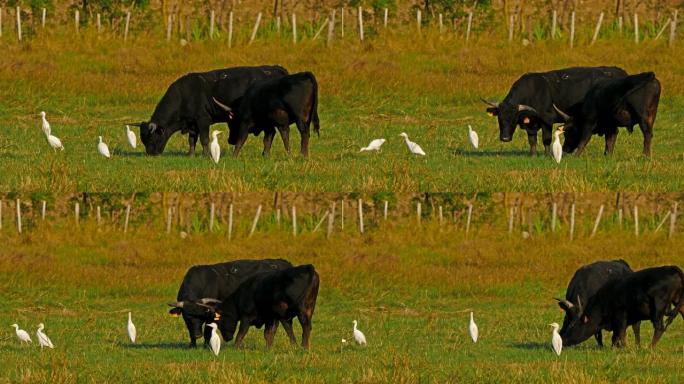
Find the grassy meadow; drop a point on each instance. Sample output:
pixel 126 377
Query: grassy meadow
pixel 428 86
pixel 411 289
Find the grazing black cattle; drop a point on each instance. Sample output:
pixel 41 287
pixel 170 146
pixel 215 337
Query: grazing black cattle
pixel 204 286
pixel 609 105
pixel 530 101
pixel 187 105
pixel 266 298
pixel 275 103
pixel 584 285
pixel 649 294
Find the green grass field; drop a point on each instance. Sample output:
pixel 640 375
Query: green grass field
pixel 411 290
pixel 428 87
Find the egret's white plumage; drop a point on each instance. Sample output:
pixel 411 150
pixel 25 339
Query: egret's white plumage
pixel 472 135
pixel 215 148
pixel 132 332
pixel 215 340
pixel 374 145
pixel 413 147
pixel 473 329
pixel 43 340
pixel 556 340
pixel 103 148
pixel 130 135
pixel 46 125
pixel 557 147
pixel 358 335
pixel 55 142
pixel 21 334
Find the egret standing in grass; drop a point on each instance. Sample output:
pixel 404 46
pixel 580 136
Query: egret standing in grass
pixel 413 147
pixel 55 142
pixel 215 148
pixel 130 135
pixel 358 335
pixel 103 148
pixel 473 329
pixel 43 340
pixel 46 124
pixel 374 145
pixel 21 334
pixel 556 340
pixel 214 340
pixel 132 332
pixel 472 135
pixel 557 147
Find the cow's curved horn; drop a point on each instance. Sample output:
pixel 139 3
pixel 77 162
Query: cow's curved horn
pixel 490 103
pixel 209 300
pixel 567 303
pixel 523 107
pixel 564 115
pixel 225 107
pixel 152 126
pixel 177 304
pixel 580 308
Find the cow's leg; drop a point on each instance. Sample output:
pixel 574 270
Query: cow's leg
pixel 285 135
pixel 584 140
pixel 599 338
pixel 269 332
pixel 658 329
pixel 532 139
pixel 192 142
pixel 227 328
pixel 611 138
pixel 287 326
pixel 203 127
pixel 304 132
pixel 207 334
pixel 547 138
pixel 619 327
pixel 242 137
pixel 268 140
pixel 305 321
pixel 242 332
pixel 647 130
pixel 194 329
pixel 636 328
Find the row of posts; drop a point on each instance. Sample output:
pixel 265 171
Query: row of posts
pixel 330 215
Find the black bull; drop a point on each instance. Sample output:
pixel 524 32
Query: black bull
pixel 206 285
pixel 530 101
pixel 188 107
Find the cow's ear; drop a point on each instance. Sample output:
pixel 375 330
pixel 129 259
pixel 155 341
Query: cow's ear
pixel 585 319
pixel 493 111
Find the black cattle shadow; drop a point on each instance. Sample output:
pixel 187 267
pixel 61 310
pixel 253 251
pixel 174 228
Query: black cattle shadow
pixel 179 345
pixel 531 345
pixel 130 154
pixel 490 153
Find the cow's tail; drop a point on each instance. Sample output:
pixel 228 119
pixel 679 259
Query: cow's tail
pixel 313 116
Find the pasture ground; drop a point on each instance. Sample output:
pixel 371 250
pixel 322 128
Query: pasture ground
pixel 426 86
pixel 411 290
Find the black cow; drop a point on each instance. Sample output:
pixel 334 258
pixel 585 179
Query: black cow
pixel 271 104
pixel 270 297
pixel 530 101
pixel 649 294
pixel 204 286
pixel 612 104
pixel 584 285
pixel 187 105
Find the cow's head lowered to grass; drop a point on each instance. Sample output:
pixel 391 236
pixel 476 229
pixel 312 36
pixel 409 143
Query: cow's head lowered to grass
pixel 509 116
pixel 196 313
pixel 578 324
pixel 153 136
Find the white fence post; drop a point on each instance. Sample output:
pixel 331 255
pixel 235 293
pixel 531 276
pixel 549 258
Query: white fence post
pixel 19 26
pixel 597 29
pixel 360 12
pixel 255 29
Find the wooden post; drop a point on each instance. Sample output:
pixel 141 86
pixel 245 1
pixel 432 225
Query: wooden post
pixel 470 22
pixel 554 20
pixel 1 204
pixel 662 222
pixel 19 29
pixel 77 21
pixel 18 205
pixel 278 217
pixel 554 213
pixel 331 220
pixel 255 29
pixel 441 216
pixel 384 23
pixel 2 10
pixel 230 222
pixel 620 22
pixel 419 21
pixel 77 213
pixel 211 24
pixel 441 24
pixel 294 220
pixel 597 29
pixel 418 213
pixel 169 27
pixel 572 29
pixel 636 220
pixel 318 33
pixel 230 29
pixel 320 222
pixel 597 221
pixel 673 221
pixel 384 211
pixel 344 10
pixel 511 214
pixel 42 18
pixel 128 22
pixel 342 214
pixel 360 12
pixel 331 28
pixel 256 216
pixel 42 209
pixel 673 29
pixel 212 210
pixel 636 28
pixel 99 23
pixel 470 213
pixel 360 206
pixel 278 22
pixel 98 216
pixel 572 221
pixel 620 218
pixel 169 217
pixel 510 28
pixel 663 28
pixel 128 215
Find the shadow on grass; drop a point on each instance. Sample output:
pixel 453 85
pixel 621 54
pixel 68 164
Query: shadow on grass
pixel 179 345
pixel 132 154
pixel 488 153
pixel 532 345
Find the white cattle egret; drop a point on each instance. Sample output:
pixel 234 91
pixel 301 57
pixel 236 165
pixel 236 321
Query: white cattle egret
pixel 46 124
pixel 374 145
pixel 103 148
pixel 132 333
pixel 55 142
pixel 556 340
pixel 359 336
pixel 472 135
pixel 22 335
pixel 131 137
pixel 556 147
pixel 473 329
pixel 413 147
pixel 215 340
pixel 43 340
pixel 215 147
